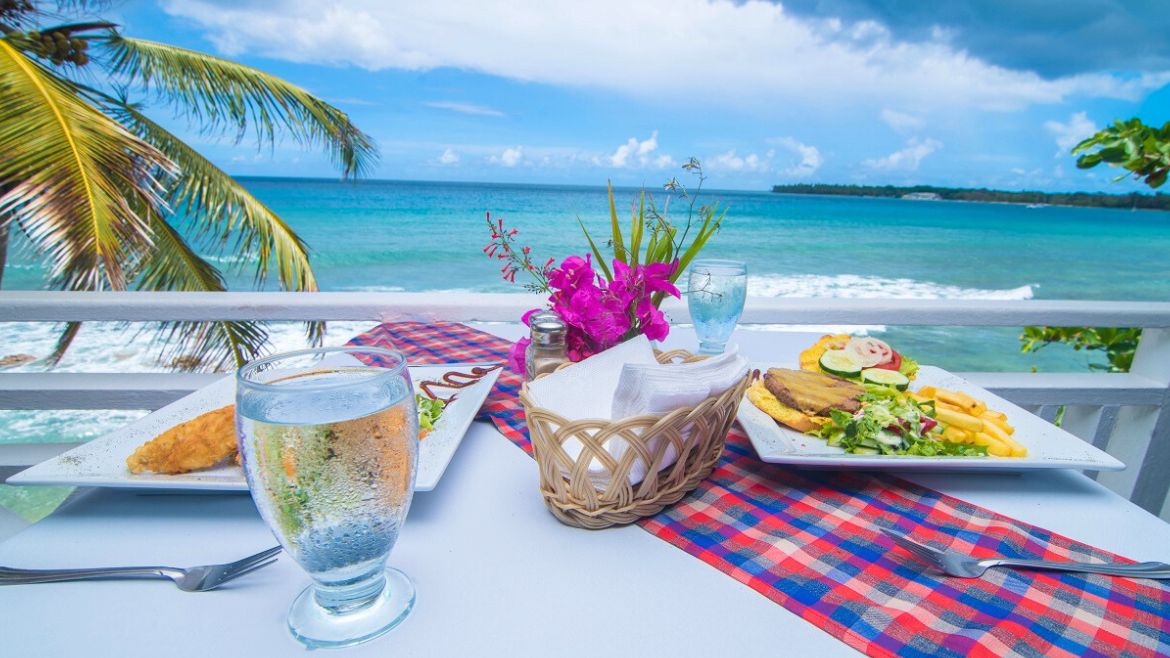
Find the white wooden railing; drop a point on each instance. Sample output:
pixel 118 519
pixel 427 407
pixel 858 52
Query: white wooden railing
pixel 1125 414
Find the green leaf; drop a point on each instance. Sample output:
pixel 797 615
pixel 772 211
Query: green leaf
pixel 596 251
pixel 637 225
pixel 619 247
pixel 1088 161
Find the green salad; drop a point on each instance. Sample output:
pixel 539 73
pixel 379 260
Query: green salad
pixel 429 410
pixel 891 423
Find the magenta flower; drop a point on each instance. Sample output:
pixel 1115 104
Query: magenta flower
pixel 600 314
pixel 516 355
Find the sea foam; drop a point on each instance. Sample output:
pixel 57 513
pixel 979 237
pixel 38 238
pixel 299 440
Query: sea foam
pixel 855 286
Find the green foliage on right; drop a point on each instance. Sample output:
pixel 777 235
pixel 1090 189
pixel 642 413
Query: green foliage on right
pixel 1145 152
pixel 1118 345
pixel 1141 149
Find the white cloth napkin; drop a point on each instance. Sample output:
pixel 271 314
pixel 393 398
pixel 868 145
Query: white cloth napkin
pixel 585 390
pixel 659 389
pixel 627 380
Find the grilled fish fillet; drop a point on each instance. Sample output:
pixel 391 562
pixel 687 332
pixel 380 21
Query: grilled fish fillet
pixel 201 442
pixel 812 393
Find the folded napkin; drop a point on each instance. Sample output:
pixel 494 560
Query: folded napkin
pixel 627 380
pixel 658 389
pixel 586 389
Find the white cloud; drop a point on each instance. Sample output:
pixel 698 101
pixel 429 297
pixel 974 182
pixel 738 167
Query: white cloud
pixel 731 161
pixel 510 157
pixel 1070 134
pixel 449 157
pixel 901 121
pixel 906 159
pixel 565 42
pixel 810 158
pixel 466 108
pixel 636 153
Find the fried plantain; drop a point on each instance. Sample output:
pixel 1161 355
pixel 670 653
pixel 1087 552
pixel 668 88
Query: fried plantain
pixel 201 442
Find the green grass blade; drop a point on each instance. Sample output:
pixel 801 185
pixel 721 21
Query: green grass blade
pixel 596 251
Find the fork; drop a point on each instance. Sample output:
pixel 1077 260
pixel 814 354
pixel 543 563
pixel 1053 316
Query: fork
pixel 957 564
pixel 192 579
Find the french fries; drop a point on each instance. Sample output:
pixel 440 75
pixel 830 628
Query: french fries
pixel 968 420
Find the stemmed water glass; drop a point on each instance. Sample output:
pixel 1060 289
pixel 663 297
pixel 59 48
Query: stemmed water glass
pixel 716 290
pixel 329 440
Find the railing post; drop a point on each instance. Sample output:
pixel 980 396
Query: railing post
pixel 1152 361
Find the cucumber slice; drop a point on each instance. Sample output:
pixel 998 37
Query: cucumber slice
pixel 840 363
pixel 885 378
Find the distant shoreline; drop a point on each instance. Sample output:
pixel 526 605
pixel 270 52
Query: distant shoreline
pixel 1133 200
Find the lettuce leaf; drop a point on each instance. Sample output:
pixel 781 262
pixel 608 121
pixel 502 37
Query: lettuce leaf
pixel 909 367
pixel 429 411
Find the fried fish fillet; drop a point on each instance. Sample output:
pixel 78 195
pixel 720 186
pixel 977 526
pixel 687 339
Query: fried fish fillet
pixel 198 443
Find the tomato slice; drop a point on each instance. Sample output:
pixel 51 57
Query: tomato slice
pixel 895 362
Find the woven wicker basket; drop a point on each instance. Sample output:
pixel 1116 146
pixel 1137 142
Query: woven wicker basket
pixel 697 433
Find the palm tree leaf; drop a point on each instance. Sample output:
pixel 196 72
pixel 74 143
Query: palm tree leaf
pixel 225 95
pixel 221 209
pixel 173 265
pixel 66 173
pixel 63 343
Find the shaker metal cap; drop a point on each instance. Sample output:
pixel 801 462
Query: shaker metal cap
pixel 547 327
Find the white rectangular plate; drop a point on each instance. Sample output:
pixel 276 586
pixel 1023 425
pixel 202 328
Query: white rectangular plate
pixel 102 462
pixel 1048 446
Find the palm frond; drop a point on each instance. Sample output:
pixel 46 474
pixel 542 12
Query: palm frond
pixel 222 210
pixel 173 265
pixel 63 343
pixel 70 174
pixel 224 95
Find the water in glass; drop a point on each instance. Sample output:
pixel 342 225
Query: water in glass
pixel 716 290
pixel 329 440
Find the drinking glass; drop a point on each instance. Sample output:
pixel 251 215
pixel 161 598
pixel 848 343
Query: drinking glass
pixel 716 290
pixel 329 440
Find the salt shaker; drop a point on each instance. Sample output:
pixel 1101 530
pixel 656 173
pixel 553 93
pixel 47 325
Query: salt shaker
pixel 547 349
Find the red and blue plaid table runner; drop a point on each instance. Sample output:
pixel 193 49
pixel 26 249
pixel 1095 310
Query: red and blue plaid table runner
pixel 809 540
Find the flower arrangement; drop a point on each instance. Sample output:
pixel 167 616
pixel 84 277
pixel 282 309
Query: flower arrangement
pixel 620 299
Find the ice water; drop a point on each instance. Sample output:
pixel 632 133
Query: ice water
pixel 715 300
pixel 332 471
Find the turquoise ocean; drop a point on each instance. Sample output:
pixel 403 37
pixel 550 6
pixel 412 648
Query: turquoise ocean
pixel 428 236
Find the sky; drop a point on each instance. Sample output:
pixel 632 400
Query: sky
pixel 965 93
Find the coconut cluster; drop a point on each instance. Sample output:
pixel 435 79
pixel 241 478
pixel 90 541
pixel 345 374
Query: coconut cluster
pixel 57 46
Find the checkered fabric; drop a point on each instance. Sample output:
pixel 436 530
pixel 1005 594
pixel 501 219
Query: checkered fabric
pixel 809 541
